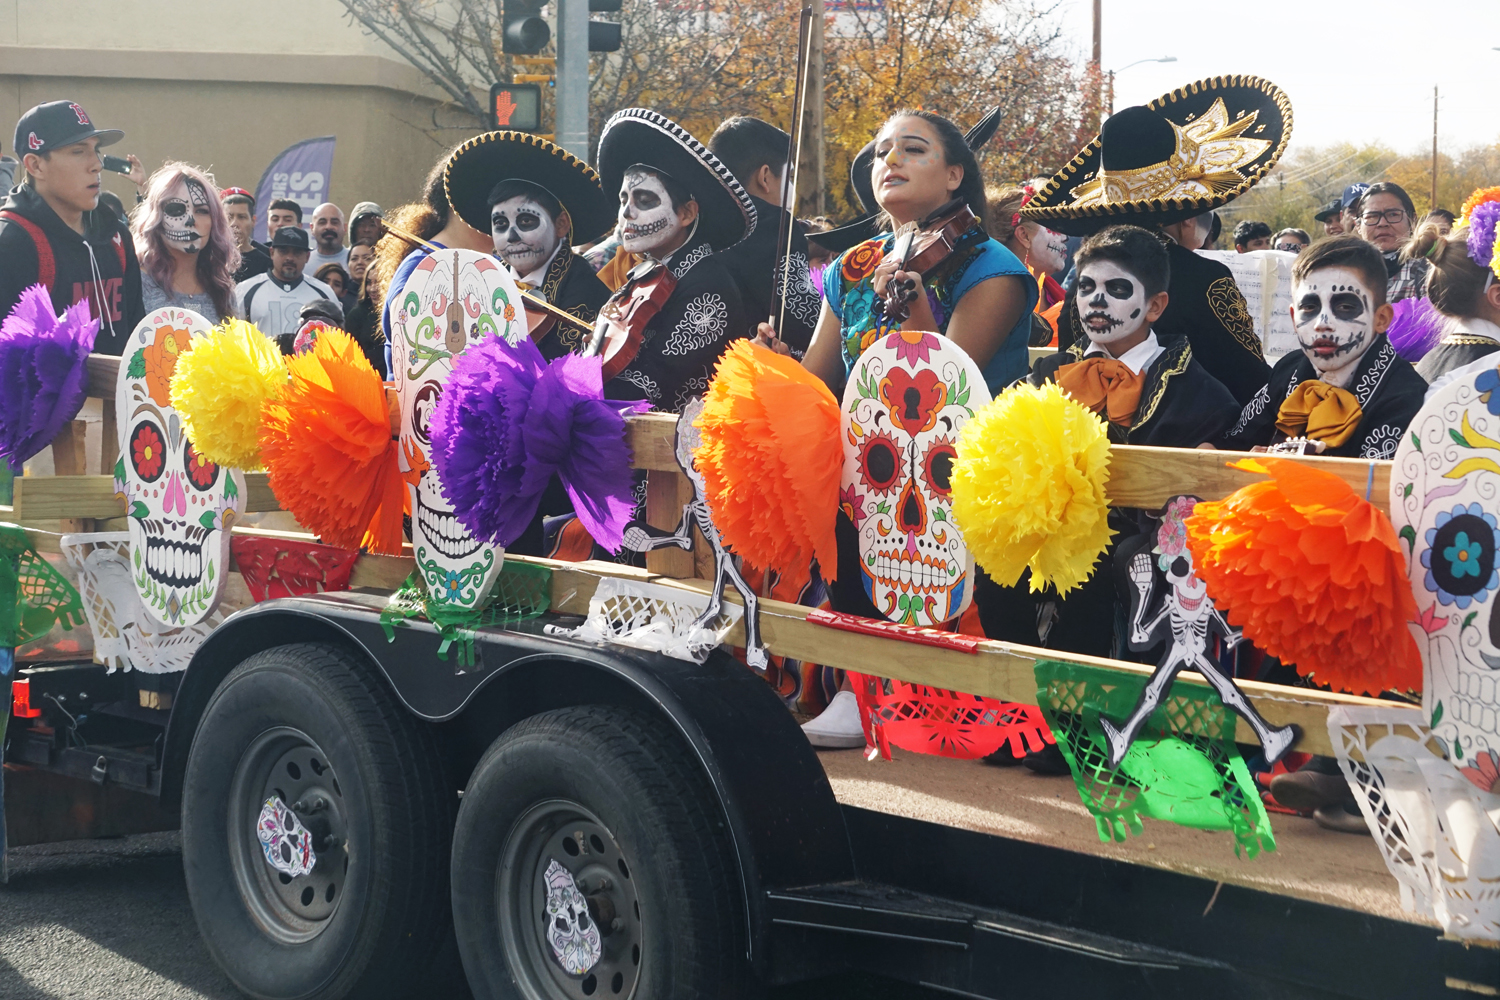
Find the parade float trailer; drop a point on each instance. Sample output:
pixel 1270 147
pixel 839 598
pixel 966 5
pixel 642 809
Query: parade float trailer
pixel 789 864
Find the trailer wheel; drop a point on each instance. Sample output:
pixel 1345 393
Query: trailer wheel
pixel 307 725
pixel 590 860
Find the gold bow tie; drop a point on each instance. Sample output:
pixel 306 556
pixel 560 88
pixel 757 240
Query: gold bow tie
pixel 1320 411
pixel 525 286
pixel 1104 385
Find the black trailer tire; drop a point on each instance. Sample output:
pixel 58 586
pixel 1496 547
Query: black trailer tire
pixel 311 720
pixel 627 810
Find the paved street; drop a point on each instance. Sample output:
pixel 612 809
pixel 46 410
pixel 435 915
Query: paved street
pixel 109 920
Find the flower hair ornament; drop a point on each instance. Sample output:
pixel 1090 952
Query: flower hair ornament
pixel 1481 213
pixel 1015 220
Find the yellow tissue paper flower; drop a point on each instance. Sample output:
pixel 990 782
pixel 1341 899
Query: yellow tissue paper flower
pixel 219 388
pixel 1028 487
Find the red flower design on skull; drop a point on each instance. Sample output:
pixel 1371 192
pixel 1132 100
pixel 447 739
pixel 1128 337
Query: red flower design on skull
pixel 146 451
pixel 914 399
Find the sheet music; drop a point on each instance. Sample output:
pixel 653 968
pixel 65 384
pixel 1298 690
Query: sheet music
pixel 1264 277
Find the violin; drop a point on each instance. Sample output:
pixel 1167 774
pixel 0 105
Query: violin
pixel 926 247
pixel 620 330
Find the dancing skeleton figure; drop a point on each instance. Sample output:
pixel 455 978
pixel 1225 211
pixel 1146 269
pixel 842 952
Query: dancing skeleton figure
pixel 643 538
pixel 1184 621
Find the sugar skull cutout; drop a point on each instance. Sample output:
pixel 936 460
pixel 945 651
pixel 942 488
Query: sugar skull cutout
pixel 287 844
pixel 1445 498
pixel 906 400
pixel 453 299
pixel 572 936
pixel 180 506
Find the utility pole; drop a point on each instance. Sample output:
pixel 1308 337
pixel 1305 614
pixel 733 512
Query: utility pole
pixel 1434 203
pixel 808 201
pixel 1096 64
pixel 572 100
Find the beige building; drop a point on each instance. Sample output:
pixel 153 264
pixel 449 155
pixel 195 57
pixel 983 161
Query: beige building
pixel 228 84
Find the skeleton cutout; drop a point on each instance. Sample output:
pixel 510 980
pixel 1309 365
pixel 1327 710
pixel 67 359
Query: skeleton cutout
pixel 453 299
pixel 648 223
pixel 907 398
pixel 525 234
pixel 288 845
pixel 1444 490
pixel 1333 316
pixel 179 505
pixel 181 224
pixel 1111 302
pixel 572 936
pixel 1184 617
pixel 643 538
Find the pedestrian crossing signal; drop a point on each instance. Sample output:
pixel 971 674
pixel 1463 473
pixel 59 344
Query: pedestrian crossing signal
pixel 516 106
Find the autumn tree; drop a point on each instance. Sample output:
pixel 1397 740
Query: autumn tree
pixel 700 61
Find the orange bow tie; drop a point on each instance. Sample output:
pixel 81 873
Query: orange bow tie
pixel 1320 411
pixel 1104 385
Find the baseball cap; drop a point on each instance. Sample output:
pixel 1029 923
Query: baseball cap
pixel 229 192
pixel 292 238
pixel 1329 210
pixel 56 124
pixel 365 209
pixel 1352 193
pixel 323 309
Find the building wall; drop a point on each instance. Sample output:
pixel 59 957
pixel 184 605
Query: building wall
pixel 228 84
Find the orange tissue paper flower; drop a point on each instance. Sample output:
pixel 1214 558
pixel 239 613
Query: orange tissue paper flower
pixel 771 460
pixel 328 450
pixel 1313 574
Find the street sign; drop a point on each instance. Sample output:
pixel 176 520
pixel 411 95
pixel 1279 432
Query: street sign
pixel 516 106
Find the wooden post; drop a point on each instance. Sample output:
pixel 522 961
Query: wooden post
pixel 68 459
pixel 667 492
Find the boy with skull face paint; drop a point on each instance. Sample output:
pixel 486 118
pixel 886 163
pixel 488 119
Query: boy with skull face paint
pixel 1346 391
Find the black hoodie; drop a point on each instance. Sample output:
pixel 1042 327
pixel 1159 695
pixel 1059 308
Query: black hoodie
pixel 76 276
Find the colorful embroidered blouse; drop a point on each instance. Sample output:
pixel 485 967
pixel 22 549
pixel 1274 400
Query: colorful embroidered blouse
pixel 848 285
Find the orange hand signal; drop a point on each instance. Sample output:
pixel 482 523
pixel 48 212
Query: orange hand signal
pixel 504 108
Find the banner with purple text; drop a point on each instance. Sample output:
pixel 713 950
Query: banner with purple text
pixel 300 173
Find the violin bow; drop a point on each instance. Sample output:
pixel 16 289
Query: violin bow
pixel 533 302
pixel 786 227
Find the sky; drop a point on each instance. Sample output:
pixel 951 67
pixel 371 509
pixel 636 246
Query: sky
pixel 1359 72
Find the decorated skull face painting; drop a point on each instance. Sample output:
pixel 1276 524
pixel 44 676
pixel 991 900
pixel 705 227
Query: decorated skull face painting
pixel 1443 504
pixel 288 845
pixel 185 216
pixel 180 506
pixel 453 299
pixel 573 937
pixel 1334 317
pixel 906 400
pixel 524 232
pixel 647 219
pixel 1111 302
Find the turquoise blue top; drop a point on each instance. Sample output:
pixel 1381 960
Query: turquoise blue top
pixel 848 285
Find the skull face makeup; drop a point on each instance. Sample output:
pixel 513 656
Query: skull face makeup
pixel 453 299
pixel 525 233
pixel 1333 315
pixel 1049 250
pixel 180 506
pixel 1111 302
pixel 648 223
pixel 906 400
pixel 185 216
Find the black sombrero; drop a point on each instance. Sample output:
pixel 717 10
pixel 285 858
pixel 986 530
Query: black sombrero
pixel 1186 153
pixel 638 136
pixel 861 179
pixel 485 160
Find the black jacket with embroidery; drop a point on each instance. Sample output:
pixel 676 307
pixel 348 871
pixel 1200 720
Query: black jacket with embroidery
pixel 684 340
pixel 1388 389
pixel 1181 405
pixel 571 285
pixel 750 262
pixel 1206 307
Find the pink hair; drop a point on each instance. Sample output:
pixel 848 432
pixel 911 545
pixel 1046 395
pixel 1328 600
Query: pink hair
pixel 219 258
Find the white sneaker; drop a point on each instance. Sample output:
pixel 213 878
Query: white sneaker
pixel 838 727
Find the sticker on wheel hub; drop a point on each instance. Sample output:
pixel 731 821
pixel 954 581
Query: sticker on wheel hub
pixel 572 934
pixel 287 843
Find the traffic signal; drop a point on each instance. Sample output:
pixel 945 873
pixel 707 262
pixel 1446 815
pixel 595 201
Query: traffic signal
pixel 604 36
pixel 523 32
pixel 516 106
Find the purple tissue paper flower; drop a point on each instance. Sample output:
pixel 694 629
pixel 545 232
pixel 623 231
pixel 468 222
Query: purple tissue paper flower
pixel 43 377
pixel 508 421
pixel 1416 328
pixel 1482 232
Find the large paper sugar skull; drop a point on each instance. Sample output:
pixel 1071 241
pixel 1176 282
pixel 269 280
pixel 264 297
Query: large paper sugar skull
pixel 906 400
pixel 179 505
pixel 453 299
pixel 1445 498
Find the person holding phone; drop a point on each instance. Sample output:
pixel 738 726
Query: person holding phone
pixel 51 233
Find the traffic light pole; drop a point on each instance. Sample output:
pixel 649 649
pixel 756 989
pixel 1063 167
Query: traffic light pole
pixel 573 78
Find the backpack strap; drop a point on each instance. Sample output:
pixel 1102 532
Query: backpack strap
pixel 46 264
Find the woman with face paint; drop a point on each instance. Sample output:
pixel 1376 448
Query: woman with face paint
pixel 1346 391
pixel 187 251
pixel 981 297
pixel 1044 252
